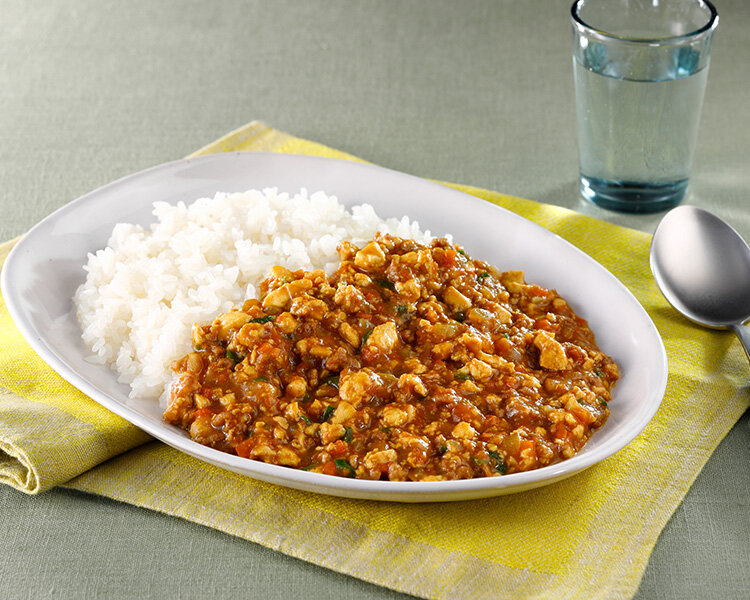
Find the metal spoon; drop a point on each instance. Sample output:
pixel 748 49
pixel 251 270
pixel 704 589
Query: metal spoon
pixel 702 267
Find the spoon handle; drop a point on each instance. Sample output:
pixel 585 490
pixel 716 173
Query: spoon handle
pixel 744 334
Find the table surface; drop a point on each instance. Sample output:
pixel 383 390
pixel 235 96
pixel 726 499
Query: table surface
pixel 476 92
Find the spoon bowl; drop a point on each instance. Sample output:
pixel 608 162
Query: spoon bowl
pixel 702 266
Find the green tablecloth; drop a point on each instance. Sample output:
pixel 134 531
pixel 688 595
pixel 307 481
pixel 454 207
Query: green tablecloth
pixel 473 92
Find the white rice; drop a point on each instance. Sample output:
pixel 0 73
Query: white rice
pixel 144 291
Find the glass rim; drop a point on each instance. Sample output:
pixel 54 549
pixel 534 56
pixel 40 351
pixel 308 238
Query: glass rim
pixel 584 27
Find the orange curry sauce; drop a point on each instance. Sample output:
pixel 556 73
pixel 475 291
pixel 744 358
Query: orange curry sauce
pixel 409 363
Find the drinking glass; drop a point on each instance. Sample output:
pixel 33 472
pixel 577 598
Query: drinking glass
pixel 640 70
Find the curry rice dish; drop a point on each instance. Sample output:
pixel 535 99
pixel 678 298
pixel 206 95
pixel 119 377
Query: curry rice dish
pixel 408 363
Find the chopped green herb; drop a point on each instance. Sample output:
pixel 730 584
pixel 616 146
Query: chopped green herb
pixel 401 308
pixel 333 380
pixel 421 398
pixel 443 449
pixel 328 412
pixel 343 465
pixel 460 251
pixel 309 467
pixel 500 465
pixel 347 434
pixel 385 430
pixel 602 401
pixel 306 419
pixel 599 373
pixel 460 317
pixel 483 275
pixel 386 284
pixel 266 319
pixel 463 376
pixel 364 338
pixel 233 356
pixel 305 398
pixel 197 347
pixel 261 379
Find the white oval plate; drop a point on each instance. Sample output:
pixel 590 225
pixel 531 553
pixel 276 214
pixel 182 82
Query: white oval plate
pixel 45 268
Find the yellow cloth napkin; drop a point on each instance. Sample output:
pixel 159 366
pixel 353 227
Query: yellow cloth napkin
pixel 588 536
